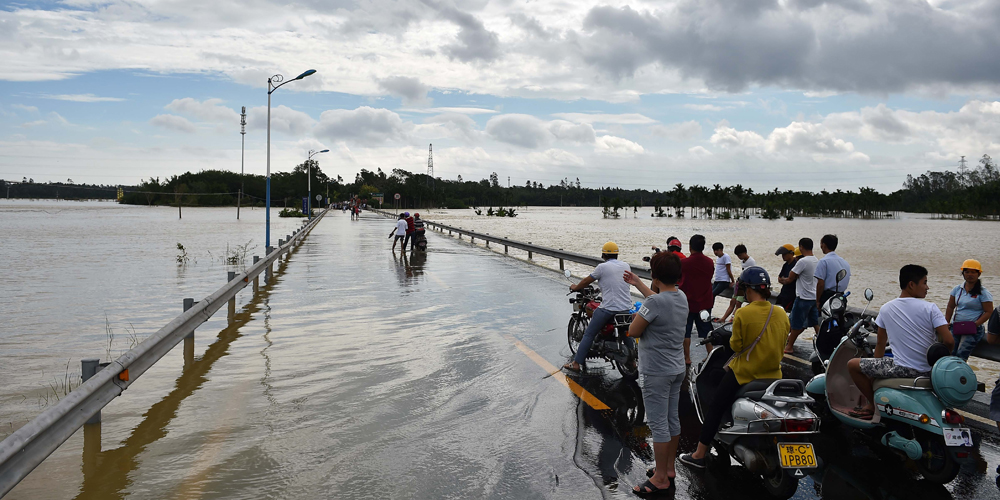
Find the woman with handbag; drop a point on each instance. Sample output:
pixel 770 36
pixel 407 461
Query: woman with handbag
pixel 760 331
pixel 971 304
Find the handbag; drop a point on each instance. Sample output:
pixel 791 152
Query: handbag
pixel 963 327
pixel 748 349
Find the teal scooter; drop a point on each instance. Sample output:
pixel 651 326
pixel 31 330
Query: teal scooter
pixel 915 417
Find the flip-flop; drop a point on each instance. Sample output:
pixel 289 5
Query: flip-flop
pixel 652 489
pixel 790 352
pixel 569 366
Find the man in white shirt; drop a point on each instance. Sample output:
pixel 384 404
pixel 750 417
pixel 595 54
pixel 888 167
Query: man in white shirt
pixel 400 231
pixel 912 325
pixel 804 311
pixel 746 261
pixel 616 298
pixel 827 269
pixel 723 269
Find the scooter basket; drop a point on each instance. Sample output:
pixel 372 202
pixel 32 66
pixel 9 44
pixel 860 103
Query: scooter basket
pixel 954 381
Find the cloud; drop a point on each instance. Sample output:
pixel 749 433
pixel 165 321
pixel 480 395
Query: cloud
pixel 35 123
pixel 727 137
pixel 29 109
pixel 209 110
pixel 474 42
pixel 454 125
pixel 59 119
pixel 703 107
pixel 620 119
pixel 409 89
pixel 555 158
pixel 568 131
pixel 618 146
pixel 699 151
pixel 797 139
pixel 283 119
pixel 364 125
pixel 173 122
pixel 683 131
pixel 468 111
pixel 81 98
pixel 520 130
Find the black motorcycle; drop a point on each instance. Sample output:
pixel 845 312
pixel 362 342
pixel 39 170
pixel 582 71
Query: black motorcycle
pixel 612 343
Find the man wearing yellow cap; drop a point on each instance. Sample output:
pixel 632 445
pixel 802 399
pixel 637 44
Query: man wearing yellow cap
pixel 615 299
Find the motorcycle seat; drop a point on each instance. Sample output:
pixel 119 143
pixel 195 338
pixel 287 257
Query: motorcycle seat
pixel 898 383
pixel 755 390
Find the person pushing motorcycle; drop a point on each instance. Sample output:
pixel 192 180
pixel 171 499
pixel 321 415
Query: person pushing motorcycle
pixel 616 299
pixel 759 333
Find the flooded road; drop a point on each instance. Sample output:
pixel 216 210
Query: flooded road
pixel 360 373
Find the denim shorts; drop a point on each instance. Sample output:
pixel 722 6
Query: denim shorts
pixel 804 314
pixel 694 321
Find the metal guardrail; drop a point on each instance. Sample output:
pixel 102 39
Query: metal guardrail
pixel 983 350
pixel 28 446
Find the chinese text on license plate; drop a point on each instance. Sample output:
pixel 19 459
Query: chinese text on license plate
pixel 958 437
pixel 796 455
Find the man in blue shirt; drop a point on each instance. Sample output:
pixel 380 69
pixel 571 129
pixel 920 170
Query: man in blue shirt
pixel 827 269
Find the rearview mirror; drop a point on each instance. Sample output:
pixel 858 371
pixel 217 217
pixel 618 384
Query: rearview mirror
pixel 869 295
pixel 705 316
pixel 841 275
pixel 566 273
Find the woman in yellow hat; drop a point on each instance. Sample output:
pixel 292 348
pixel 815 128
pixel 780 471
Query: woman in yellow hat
pixel 970 306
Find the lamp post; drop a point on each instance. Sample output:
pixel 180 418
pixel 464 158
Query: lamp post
pixel 243 133
pixel 309 179
pixel 271 87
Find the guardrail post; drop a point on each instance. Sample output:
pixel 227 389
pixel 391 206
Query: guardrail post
pixel 89 368
pixel 189 339
pixel 230 276
pixel 529 252
pixel 269 270
pixel 256 279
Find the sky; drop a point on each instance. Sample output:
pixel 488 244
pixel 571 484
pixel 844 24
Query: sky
pixel 793 94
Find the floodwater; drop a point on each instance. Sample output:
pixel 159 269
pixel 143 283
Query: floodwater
pixel 357 373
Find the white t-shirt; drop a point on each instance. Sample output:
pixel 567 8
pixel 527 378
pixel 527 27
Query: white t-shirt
pixel 910 325
pixel 615 294
pixel 805 283
pixel 747 264
pixel 720 268
pixel 401 227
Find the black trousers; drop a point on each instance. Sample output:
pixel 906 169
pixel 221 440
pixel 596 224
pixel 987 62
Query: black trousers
pixel 725 394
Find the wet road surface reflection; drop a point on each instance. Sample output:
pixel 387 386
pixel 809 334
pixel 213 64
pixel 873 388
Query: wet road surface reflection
pixel 364 373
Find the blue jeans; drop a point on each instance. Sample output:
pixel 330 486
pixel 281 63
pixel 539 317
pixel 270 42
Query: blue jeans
pixel 964 344
pixel 601 317
pixel 719 287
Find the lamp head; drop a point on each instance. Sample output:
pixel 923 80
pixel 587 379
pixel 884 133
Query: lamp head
pixel 305 74
pixel 325 151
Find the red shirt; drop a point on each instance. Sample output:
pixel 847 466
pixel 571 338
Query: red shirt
pixel 410 227
pixel 697 270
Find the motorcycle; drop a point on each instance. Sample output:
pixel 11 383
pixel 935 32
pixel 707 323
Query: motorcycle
pixel 770 426
pixel 612 343
pixel 915 418
pixel 835 322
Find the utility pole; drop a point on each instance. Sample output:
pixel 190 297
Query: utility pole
pixel 243 134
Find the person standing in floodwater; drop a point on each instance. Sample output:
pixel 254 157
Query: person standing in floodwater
pixel 970 306
pixel 659 326
pixel 400 231
pixel 805 313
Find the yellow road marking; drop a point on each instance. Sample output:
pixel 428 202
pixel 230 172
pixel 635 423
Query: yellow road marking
pixel 800 360
pixel 557 374
pixel 975 417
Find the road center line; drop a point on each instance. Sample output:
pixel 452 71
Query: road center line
pixel 557 374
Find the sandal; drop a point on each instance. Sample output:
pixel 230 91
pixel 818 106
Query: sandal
pixel 862 413
pixel 569 366
pixel 648 488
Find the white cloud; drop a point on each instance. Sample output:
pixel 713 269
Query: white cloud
pixel 364 125
pixel 81 98
pixel 727 137
pixel 555 158
pixel 209 110
pixel 407 88
pixel 704 107
pixel 464 110
pixel 806 137
pixel 699 151
pixel 35 123
pixel 567 131
pixel 173 122
pixel 29 109
pixel 617 146
pixel 520 130
pixel 620 119
pixel 683 131
pixel 283 119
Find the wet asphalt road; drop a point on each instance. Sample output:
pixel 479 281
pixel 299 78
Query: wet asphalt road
pixel 363 373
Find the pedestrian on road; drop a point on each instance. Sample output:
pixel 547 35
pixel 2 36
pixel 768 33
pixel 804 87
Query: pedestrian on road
pixel 805 313
pixel 972 305
pixel 723 269
pixel 410 228
pixel 659 326
pixel 696 271
pixel 615 296
pixel 827 269
pixel 399 231
pixel 747 262
pixel 786 297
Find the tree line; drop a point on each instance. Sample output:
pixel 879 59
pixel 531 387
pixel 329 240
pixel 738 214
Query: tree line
pixel 973 192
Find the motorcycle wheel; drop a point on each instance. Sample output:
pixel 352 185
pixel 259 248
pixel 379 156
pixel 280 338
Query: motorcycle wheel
pixel 938 466
pixel 574 331
pixel 629 368
pixel 780 485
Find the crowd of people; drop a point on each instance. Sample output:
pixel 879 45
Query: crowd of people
pixel 765 328
pixel 407 229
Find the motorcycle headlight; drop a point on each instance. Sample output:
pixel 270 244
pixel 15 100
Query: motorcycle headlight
pixel 838 305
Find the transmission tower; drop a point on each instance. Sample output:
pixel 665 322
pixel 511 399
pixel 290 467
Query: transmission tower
pixel 961 165
pixel 430 161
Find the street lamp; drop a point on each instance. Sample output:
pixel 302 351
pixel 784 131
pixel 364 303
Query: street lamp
pixel 271 87
pixel 310 180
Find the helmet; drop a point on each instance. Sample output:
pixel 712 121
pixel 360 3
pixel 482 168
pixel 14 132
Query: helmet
pixel 755 278
pixel 406 214
pixel 610 247
pixel 416 216
pixel 972 264
pixel 674 242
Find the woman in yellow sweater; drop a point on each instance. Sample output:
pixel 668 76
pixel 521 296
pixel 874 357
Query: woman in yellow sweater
pixel 759 333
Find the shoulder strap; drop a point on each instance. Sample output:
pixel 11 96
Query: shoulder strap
pixel 748 349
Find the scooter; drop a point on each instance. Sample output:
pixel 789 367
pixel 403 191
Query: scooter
pixel 770 427
pixel 612 342
pixel 915 417
pixel 835 322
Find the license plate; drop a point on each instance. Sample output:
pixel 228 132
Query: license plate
pixel 957 437
pixel 796 455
